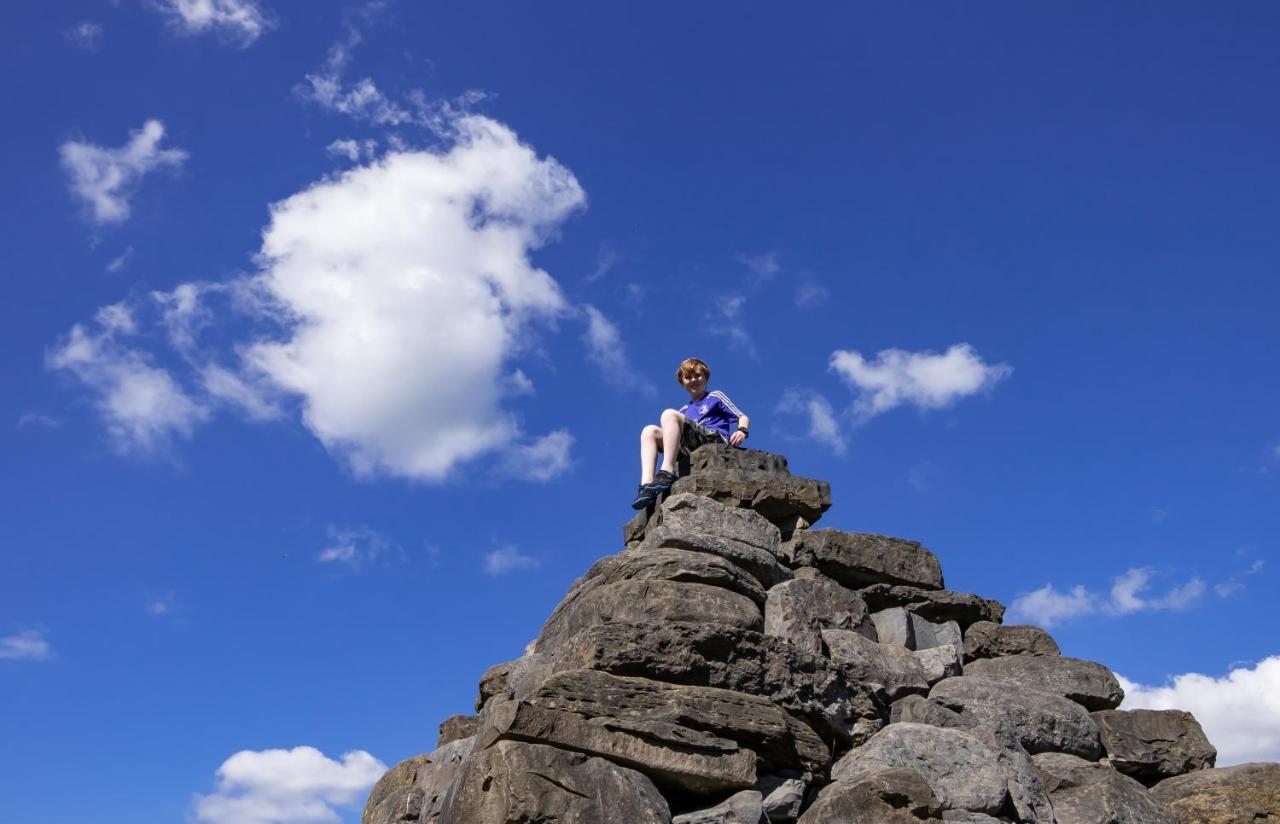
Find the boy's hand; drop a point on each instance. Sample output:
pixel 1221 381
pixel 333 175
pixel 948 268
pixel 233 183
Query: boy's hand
pixel 737 438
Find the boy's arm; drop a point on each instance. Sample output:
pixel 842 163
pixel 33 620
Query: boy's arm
pixel 740 434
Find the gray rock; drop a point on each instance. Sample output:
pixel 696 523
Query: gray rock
pixel 1040 721
pixel 916 709
pixel 655 602
pixel 779 498
pixel 1152 745
pixel 967 817
pixel 415 789
pixel 799 609
pixel 1083 792
pixel 783 797
pixel 859 559
pixel 986 639
pixel 887 796
pixel 938 605
pixel 780 740
pixel 759 562
pixel 964 773
pixel 1243 794
pixel 516 781
pixel 696 513
pixel 897 625
pixel 745 807
pixel 455 727
pixel 805 685
pixel 893 668
pixel 1091 685
pixel 940 662
pixel 718 456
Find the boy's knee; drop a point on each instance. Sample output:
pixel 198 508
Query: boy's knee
pixel 650 430
pixel 670 415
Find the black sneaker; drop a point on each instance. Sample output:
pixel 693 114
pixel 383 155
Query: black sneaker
pixel 644 497
pixel 662 481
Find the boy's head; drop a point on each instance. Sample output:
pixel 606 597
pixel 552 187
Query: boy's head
pixel 690 367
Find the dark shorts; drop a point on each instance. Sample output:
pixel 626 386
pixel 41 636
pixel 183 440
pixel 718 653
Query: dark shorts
pixel 694 435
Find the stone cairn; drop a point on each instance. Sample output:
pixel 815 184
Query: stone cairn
pixel 733 665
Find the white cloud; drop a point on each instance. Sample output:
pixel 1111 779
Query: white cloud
pixel 920 475
pixel 606 258
pixel 362 100
pixel 405 287
pixel 1240 712
pixel 353 150
pixel 924 379
pixel 163 605
pixel 727 321
pixel 507 559
pixel 823 426
pixel 38 419
pixel 27 645
pixel 241 392
pixel 810 294
pixel 763 266
pixel 241 21
pixel 543 459
pixel 120 261
pixel 142 406
pixel 283 786
pixel 1047 606
pixel 606 350
pixel 355 546
pixel 104 178
pixel 85 35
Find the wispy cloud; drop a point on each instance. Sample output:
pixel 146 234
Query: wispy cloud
pixel 606 258
pixel 920 475
pixel 606 349
pixel 37 419
pixel 820 421
pixel 727 319
pixel 357 546
pixel 810 294
pixel 508 559
pixel 763 267
pixel 105 178
pixel 1240 711
pixel 120 261
pixel 542 460
pixel 279 786
pixel 353 150
pixel 27 645
pixel 164 605
pixel 240 22
pixel 85 35
pixel 1048 606
pixel 927 380
pixel 1236 583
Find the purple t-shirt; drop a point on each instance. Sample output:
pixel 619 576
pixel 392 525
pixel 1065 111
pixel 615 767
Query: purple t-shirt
pixel 715 411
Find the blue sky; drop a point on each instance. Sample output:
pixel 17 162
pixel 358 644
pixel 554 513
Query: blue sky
pixel 331 328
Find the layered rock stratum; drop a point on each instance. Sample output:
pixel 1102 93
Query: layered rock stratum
pixel 734 665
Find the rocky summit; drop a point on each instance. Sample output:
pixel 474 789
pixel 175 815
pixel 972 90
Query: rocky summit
pixel 734 665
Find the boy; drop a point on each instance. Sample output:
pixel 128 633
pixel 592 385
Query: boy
pixel 705 419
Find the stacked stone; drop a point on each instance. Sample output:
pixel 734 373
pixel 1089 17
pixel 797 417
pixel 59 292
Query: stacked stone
pixel 734 665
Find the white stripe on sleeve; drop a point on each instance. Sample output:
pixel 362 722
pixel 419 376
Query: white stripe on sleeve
pixel 728 403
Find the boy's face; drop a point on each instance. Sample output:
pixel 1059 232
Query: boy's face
pixel 695 383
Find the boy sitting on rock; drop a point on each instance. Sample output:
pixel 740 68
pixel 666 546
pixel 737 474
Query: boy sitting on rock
pixel 706 418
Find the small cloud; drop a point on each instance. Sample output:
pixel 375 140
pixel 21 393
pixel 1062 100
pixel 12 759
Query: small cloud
pixel 820 417
pixel 104 178
pixel 923 379
pixel 239 21
pixel 119 262
pixel 810 295
pixel 606 350
pixel 362 100
pixel 85 35
pixel 763 267
pixel 508 559
pixel 920 475
pixel 279 786
pixel 1238 711
pixel 1235 583
pixel 163 605
pixel 356 546
pixel 542 460
pixel 606 258
pixel 726 320
pixel 37 419
pixel 1047 606
pixel 353 150
pixel 27 645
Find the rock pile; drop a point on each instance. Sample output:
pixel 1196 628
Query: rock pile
pixel 733 665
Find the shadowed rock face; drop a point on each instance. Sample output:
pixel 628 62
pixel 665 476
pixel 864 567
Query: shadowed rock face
pixel 732 665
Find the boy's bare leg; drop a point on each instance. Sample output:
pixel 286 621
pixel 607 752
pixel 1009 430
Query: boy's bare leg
pixel 650 446
pixel 672 423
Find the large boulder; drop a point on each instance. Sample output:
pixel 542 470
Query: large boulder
pixel 518 781
pixel 937 605
pixel 779 498
pixel 1243 794
pixel 986 639
pixel 415 789
pixel 1040 721
pixel 746 807
pixel 800 609
pixel 715 655
pixel 1152 745
pixel 759 562
pixel 697 513
pixel 1089 684
pixel 859 559
pixel 782 797
pixel 898 625
pixel 649 601
pixel 885 796
pixel 455 727
pixel 963 772
pixel 1084 792
pixel 898 670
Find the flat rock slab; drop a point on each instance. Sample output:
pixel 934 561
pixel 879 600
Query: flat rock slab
pixel 1084 792
pixel 746 807
pixel 1152 745
pixel 517 781
pixel 652 601
pixel 1040 721
pixel 697 513
pixel 964 773
pixel 1089 684
pixel 858 559
pixel 800 609
pixel 886 796
pixel 1243 794
pixel 760 563
pixel 937 605
pixel 986 639
pixel 808 686
pixel 779 498
pixel 898 625
pixel 780 740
